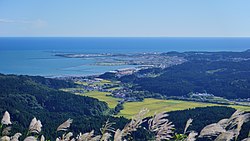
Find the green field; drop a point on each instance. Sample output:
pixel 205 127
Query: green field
pixel 111 101
pixel 102 82
pixel 156 106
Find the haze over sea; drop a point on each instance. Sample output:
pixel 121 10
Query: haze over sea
pixel 35 56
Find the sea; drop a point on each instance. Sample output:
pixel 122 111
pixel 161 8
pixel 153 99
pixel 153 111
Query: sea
pixel 36 55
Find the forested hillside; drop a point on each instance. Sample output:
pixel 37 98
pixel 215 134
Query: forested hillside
pixel 221 78
pixel 25 99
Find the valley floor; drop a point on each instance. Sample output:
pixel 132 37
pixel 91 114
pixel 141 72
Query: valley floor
pixel 154 105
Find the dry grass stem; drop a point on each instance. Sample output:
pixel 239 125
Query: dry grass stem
pixel 165 131
pixel 225 136
pixel 6 119
pixel 35 126
pixel 16 137
pixel 88 137
pixel 212 130
pixel 157 121
pixel 30 138
pixel 118 135
pixel 105 137
pixel 189 121
pixel 161 126
pixel 107 127
pixel 64 126
pixel 42 138
pixel 246 139
pixel 135 123
pixel 6 131
pixel 5 138
pixel 191 136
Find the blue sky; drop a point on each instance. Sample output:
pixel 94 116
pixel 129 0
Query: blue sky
pixel 125 18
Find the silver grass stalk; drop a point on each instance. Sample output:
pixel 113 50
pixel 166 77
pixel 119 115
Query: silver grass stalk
pixel 240 121
pixel 5 138
pixel 118 135
pixel 165 131
pixel 135 123
pixel 235 122
pixel 85 136
pixel 225 136
pixel 6 131
pixel 189 121
pixel 235 115
pixel 160 125
pixel 240 118
pixel 32 123
pixel 96 138
pixel 212 130
pixel 156 122
pixel 35 126
pixel 224 122
pixel 105 137
pixel 42 138
pixel 16 137
pixel 191 136
pixel 246 139
pixel 107 127
pixel 64 126
pixel 30 138
pixel 88 137
pixel 68 136
pixel 6 119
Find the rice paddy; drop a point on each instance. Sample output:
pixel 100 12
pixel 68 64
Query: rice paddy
pixel 156 106
pixel 102 96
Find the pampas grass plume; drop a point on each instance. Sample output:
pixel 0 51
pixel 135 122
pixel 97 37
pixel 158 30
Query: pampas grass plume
pixel 65 125
pixel 6 119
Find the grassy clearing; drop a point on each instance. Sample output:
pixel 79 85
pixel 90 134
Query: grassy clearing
pixel 101 83
pixel 111 101
pixel 115 88
pixel 155 105
pixel 81 83
pixel 243 108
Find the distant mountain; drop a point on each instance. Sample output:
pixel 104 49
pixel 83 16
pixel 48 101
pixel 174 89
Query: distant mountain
pixel 224 74
pixel 220 78
pixel 247 50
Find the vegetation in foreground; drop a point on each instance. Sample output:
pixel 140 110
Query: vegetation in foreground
pixel 158 125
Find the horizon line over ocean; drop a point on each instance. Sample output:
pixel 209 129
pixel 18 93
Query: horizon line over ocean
pixel 120 44
pixel 36 56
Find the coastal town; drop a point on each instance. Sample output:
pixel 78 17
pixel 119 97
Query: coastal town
pixel 141 60
pixel 142 65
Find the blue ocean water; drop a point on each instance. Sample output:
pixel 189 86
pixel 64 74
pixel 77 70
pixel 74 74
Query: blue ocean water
pixel 35 56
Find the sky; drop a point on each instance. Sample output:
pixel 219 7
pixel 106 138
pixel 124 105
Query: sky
pixel 124 18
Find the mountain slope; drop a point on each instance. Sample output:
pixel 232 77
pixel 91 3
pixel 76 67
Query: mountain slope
pixel 24 99
pixel 222 78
